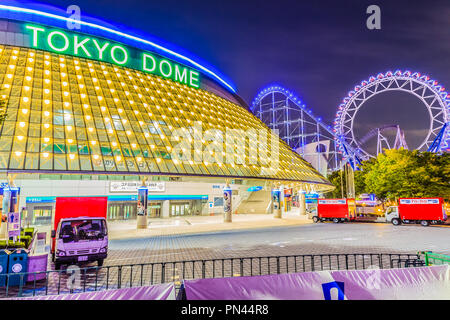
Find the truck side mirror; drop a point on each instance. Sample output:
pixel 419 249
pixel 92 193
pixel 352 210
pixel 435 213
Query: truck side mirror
pixel 53 233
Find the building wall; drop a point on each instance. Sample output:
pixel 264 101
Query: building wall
pixel 56 188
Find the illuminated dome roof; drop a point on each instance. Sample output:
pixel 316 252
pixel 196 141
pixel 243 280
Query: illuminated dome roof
pixel 71 114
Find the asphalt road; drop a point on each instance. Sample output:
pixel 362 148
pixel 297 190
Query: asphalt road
pixel 321 238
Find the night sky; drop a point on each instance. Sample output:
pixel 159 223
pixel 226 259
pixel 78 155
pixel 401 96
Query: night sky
pixel 319 49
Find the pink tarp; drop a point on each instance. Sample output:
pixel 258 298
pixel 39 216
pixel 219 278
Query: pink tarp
pixel 408 283
pixel 164 291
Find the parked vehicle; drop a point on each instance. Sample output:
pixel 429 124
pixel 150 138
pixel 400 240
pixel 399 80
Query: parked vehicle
pixel 336 210
pixel 425 211
pixel 80 232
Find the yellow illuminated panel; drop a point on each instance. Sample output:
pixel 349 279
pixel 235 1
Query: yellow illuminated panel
pixel 72 114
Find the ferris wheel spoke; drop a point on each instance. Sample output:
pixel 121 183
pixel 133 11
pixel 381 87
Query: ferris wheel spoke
pixel 428 91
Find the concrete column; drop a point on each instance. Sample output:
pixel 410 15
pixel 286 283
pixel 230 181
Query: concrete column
pixel 165 209
pixel 227 204
pixel 276 202
pixel 302 202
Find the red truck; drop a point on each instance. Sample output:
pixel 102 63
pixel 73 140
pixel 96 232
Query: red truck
pixel 79 231
pixel 336 210
pixel 425 211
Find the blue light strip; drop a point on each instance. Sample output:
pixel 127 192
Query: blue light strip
pixel 115 32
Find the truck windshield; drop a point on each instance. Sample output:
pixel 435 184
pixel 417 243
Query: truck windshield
pixel 82 230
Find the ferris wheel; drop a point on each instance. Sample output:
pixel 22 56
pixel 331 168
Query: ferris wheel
pixel 433 96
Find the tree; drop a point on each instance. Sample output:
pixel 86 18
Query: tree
pixel 401 173
pixel 404 173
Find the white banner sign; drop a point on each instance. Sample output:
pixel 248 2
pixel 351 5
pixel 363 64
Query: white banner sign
pixel 332 201
pixel 419 201
pixel 132 186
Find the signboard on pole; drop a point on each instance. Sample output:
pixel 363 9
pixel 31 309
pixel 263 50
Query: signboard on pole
pixel 142 201
pixel 13 224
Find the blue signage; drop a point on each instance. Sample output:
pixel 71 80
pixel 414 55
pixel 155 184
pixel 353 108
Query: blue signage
pixel 253 189
pixel 40 199
pixel 338 285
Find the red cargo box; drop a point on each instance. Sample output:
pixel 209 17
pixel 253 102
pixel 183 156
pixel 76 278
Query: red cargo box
pixel 74 207
pixel 421 209
pixel 336 208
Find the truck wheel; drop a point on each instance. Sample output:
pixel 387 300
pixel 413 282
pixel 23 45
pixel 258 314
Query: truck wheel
pixel 100 262
pixel 336 220
pixel 395 222
pixel 424 223
pixel 322 220
pixel 316 219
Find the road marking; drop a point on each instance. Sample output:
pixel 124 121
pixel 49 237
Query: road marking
pixel 279 243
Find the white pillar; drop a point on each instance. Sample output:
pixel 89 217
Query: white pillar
pixel 276 202
pixel 142 205
pixel 302 202
pixel 165 209
pixel 227 204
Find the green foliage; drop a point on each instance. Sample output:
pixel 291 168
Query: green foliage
pixel 402 173
pixel 335 179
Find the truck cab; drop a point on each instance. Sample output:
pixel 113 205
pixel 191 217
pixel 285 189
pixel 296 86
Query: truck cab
pixel 80 240
pixel 392 215
pixel 424 211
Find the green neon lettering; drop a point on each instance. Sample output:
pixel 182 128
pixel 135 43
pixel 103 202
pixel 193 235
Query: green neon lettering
pixel 161 63
pixel 60 41
pixel 57 33
pixel 125 54
pixel 100 50
pixel 144 63
pixel 81 45
pixel 35 34
pixel 181 77
pixel 194 79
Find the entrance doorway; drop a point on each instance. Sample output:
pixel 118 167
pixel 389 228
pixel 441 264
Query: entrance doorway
pixel 180 209
pixel 122 210
pixel 154 209
pixel 42 215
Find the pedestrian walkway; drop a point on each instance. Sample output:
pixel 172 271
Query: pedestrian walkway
pixel 196 224
pixel 201 224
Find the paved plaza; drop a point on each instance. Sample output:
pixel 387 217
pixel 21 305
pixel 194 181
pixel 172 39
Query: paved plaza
pixel 153 258
pixel 308 238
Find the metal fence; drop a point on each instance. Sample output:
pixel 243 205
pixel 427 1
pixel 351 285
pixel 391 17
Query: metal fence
pixel 132 275
pixel 435 258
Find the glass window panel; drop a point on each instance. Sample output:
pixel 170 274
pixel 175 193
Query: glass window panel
pixel 98 164
pixel 17 160
pixel 60 162
pixel 142 166
pixel 32 161
pixel 5 143
pixel 109 163
pixel 46 147
pixel 121 166
pixel 4 158
pixel 85 163
pixel 46 161
pixel 59 147
pixel 73 164
pixel 131 164
pixel 33 145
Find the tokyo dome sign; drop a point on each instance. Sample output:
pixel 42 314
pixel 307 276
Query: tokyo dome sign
pixel 85 46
